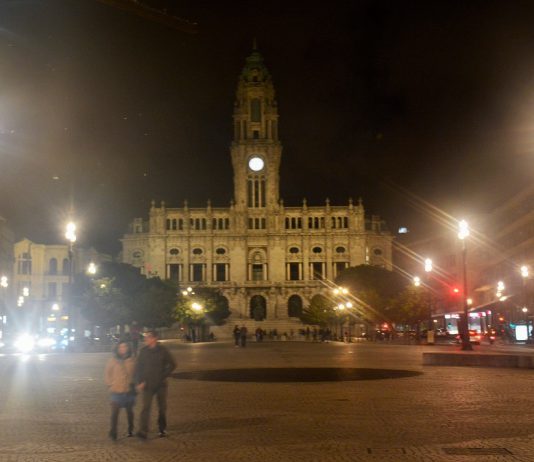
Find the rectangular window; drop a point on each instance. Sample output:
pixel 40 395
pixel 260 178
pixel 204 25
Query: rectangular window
pixel 174 272
pixel 293 271
pixel 339 267
pixel 197 272
pixel 317 270
pixel 255 110
pixel 52 290
pixel 220 272
pixel 65 289
pixel 257 272
pixel 250 193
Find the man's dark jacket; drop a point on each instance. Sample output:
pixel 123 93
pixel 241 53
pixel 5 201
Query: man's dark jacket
pixel 153 366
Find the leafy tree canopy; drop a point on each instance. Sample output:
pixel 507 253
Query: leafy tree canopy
pixel 375 286
pixel 318 312
pixel 213 305
pixel 120 294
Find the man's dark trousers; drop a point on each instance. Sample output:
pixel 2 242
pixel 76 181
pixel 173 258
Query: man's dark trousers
pixel 161 397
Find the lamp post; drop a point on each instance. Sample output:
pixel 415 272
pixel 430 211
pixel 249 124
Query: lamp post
pixel 4 284
pixel 430 330
pixel 70 235
pixel 197 309
pixel 463 233
pixel 524 275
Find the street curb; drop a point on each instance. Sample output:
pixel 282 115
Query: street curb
pixel 481 360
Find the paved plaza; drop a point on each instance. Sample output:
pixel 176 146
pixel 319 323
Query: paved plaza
pixel 55 408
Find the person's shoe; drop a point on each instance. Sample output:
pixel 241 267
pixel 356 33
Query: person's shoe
pixel 130 434
pixel 162 434
pixel 113 435
pixel 141 435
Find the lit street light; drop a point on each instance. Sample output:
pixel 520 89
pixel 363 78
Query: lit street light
pixel 70 235
pixel 430 330
pixel 463 233
pixel 524 275
pixel 91 269
pixel 416 281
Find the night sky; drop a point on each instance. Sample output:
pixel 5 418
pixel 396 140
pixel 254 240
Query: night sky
pixel 102 111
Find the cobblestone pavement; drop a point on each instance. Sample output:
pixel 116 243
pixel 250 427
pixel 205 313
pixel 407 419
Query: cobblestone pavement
pixel 54 408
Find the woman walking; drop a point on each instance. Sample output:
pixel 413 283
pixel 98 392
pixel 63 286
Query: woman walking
pixel 120 381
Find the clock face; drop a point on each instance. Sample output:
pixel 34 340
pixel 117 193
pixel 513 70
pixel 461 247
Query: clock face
pixel 256 164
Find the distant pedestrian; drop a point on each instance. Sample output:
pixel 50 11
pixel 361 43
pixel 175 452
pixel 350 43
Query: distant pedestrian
pixel 259 334
pixel 119 377
pixel 154 365
pixel 237 335
pixel 243 336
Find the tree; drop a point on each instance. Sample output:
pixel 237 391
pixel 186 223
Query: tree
pixel 376 287
pixel 214 307
pixel 319 311
pixel 121 294
pixel 412 306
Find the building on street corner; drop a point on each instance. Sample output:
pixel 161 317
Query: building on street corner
pixel 267 258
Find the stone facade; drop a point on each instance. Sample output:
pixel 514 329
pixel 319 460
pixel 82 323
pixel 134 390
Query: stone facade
pixel 269 260
pixel 44 271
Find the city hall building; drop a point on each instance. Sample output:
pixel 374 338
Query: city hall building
pixel 268 259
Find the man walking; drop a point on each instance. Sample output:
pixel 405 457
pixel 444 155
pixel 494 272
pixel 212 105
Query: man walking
pixel 154 364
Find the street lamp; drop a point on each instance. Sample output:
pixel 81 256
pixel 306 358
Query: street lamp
pixel 524 275
pixel 430 331
pixel 463 233
pixel 91 269
pixel 416 281
pixel 4 284
pixel 70 235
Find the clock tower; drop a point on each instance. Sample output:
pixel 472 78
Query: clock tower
pixel 256 150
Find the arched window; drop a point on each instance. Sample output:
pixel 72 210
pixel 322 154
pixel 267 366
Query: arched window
pixel 340 249
pixel 293 250
pixel 197 251
pixel 294 306
pixel 66 266
pixel 258 308
pixel 317 249
pixel 174 251
pixel 220 251
pixel 52 266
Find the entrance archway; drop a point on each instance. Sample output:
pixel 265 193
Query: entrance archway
pixel 258 308
pixel 294 306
